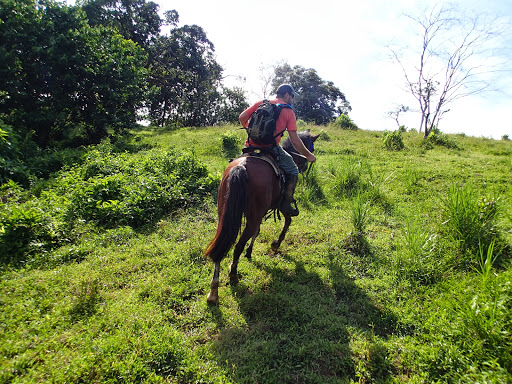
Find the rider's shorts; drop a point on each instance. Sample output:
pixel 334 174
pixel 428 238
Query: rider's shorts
pixel 286 161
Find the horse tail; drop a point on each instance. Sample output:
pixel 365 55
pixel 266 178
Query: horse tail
pixel 234 205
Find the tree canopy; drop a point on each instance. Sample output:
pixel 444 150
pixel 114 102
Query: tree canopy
pixel 79 73
pixel 319 101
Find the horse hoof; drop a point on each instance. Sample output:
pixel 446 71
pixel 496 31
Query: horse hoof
pixel 275 246
pixel 234 280
pixel 212 299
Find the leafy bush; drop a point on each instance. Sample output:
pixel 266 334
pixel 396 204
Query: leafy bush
pixel 345 122
pixel 393 141
pixel 26 227
pixel 230 143
pixel 116 189
pixel 301 123
pixel 108 190
pixel 440 139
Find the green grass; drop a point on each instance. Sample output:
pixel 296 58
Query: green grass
pixel 371 285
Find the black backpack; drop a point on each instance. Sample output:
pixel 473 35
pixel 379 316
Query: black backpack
pixel 262 126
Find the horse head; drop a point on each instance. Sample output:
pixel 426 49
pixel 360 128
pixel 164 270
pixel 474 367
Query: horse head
pixel 309 142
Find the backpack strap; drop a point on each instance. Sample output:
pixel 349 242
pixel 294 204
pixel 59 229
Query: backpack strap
pixel 280 108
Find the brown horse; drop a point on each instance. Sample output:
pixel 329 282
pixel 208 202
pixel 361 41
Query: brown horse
pixel 250 188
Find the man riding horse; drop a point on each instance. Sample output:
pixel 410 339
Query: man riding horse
pixel 285 122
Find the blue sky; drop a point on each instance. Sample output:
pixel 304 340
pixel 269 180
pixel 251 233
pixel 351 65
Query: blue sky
pixel 345 42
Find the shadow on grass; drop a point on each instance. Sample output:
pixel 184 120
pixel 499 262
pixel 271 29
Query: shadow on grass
pixel 300 329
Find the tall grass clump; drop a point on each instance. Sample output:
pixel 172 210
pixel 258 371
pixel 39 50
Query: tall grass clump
pixel 357 241
pixel 471 222
pixel 348 177
pixel 416 259
pixel 360 208
pixel 483 326
pixel 310 191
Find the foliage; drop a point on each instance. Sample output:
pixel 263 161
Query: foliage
pixel 230 143
pixel 471 221
pixel 344 122
pixel 107 190
pixel 48 91
pixel 440 139
pixel 136 20
pixel 319 101
pixel 393 141
pixel 184 78
pixel 231 103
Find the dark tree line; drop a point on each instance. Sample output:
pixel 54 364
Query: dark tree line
pixel 77 73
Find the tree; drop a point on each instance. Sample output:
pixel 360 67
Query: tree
pixel 395 113
pixel 58 73
pixel 136 20
pixel 231 104
pixel 451 62
pixel 185 78
pixel 320 101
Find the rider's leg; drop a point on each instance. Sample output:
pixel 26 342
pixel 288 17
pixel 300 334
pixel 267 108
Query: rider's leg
pixel 291 175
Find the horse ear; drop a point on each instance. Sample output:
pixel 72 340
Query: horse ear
pixel 315 137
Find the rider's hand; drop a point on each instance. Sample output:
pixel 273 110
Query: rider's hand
pixel 311 158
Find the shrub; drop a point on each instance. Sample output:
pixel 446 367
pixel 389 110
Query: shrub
pixel 230 143
pixel 27 229
pixel 115 189
pixel 505 138
pixel 345 122
pixel 393 141
pixel 441 140
pixel 107 190
pixel 301 123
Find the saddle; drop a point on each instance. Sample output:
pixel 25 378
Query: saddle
pixel 265 155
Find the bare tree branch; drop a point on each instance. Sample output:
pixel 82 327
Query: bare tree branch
pixel 453 60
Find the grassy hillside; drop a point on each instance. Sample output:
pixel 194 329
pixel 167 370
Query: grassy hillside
pixel 397 269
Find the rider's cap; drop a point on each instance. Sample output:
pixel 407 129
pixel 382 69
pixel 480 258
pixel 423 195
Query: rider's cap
pixel 286 88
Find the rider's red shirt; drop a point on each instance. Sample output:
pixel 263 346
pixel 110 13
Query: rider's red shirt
pixel 285 122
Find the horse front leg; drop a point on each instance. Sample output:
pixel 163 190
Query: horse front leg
pixel 213 296
pixel 276 244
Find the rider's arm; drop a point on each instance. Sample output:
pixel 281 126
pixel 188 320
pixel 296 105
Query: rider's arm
pixel 299 146
pixel 244 118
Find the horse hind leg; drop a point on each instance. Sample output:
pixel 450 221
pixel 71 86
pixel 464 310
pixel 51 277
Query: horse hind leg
pixel 248 232
pixel 213 296
pixel 248 253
